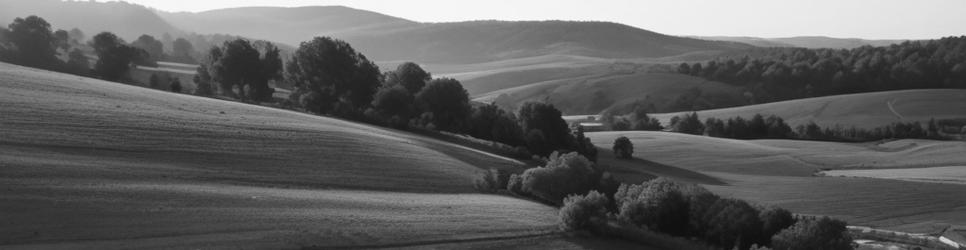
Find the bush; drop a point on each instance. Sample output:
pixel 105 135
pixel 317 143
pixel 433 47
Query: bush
pixel 811 233
pixel 583 211
pixel 515 184
pixel 623 148
pixel 564 174
pixel 657 205
pixel 489 181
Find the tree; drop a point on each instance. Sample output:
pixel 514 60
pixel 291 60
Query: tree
pixel 623 148
pixel 657 205
pixel 153 47
pixel 564 174
pixel 154 81
pixel 582 211
pixel 490 122
pixel 114 57
pixel 328 73
pixel 239 64
pixel 774 219
pixel 544 117
pixel 448 102
pixel 732 223
pixel 182 51
pixel 76 36
pixel 689 124
pixel 33 43
pixel 410 76
pixel 175 85
pixel 78 63
pixel 202 80
pixel 812 233
pixel 394 105
pixel 62 39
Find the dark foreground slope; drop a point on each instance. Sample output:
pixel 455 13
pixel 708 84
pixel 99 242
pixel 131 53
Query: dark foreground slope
pixel 92 164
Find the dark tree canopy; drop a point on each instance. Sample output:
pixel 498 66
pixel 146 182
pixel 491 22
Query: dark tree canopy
pixel 330 75
pixel 394 104
pixel 410 76
pixel 623 148
pixel 238 64
pixel 448 103
pixel 175 85
pixel 32 43
pixel 78 63
pixel 812 233
pixel 544 117
pixel 490 122
pixel 114 57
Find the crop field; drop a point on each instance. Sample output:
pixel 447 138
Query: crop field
pixel 780 172
pixel 89 164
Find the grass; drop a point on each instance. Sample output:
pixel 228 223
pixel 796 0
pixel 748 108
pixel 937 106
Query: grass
pixel 780 172
pixel 91 164
pixel 866 110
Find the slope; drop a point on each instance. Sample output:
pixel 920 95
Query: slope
pixel 866 110
pixel 592 89
pixel 385 38
pixel 124 19
pixel 93 164
pixel 781 172
pixel 812 42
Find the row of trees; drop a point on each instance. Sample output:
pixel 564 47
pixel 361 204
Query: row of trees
pixel 32 42
pixel 774 74
pixel 774 127
pixel 690 211
pixel 331 78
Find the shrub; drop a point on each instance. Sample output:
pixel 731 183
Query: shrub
pixel 582 211
pixel 515 184
pixel 811 233
pixel 623 148
pixel 564 174
pixel 657 205
pixel 489 181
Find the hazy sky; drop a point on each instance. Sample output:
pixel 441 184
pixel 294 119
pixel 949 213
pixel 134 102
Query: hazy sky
pixel 874 19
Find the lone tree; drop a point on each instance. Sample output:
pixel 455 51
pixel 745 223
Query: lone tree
pixel 623 148
pixel 331 77
pixel 240 64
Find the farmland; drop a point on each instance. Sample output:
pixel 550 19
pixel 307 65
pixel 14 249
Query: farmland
pixel 93 164
pixel 780 172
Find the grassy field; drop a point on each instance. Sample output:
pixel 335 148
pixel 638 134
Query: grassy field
pixel 865 110
pixel 781 172
pixel 88 164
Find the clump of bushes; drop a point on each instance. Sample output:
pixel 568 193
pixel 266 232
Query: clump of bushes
pixel 564 174
pixel 581 211
pixel 812 233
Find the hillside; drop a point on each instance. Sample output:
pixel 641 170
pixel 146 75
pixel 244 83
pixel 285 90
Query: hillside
pixel 386 38
pixel 780 172
pixel 867 110
pixel 811 42
pixel 94 164
pixel 593 89
pixel 126 20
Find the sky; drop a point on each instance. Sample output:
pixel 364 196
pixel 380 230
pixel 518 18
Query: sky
pixel 870 19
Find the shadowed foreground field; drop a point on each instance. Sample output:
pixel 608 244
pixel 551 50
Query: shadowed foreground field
pixel 93 164
pixel 780 172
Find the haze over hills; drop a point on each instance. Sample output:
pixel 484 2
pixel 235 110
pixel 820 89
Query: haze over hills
pixel 812 42
pixel 386 38
pixel 126 20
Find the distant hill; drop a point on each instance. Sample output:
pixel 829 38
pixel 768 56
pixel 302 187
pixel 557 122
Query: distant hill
pixel 866 110
pixel 386 38
pixel 812 42
pixel 126 20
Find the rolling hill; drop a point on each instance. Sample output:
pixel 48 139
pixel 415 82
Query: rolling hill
pixel 385 38
pixel 592 89
pixel 812 42
pixel 866 110
pixel 780 172
pixel 126 20
pixel 94 164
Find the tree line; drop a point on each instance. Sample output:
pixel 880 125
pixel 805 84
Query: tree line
pixel 774 127
pixel 775 74
pixel 32 42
